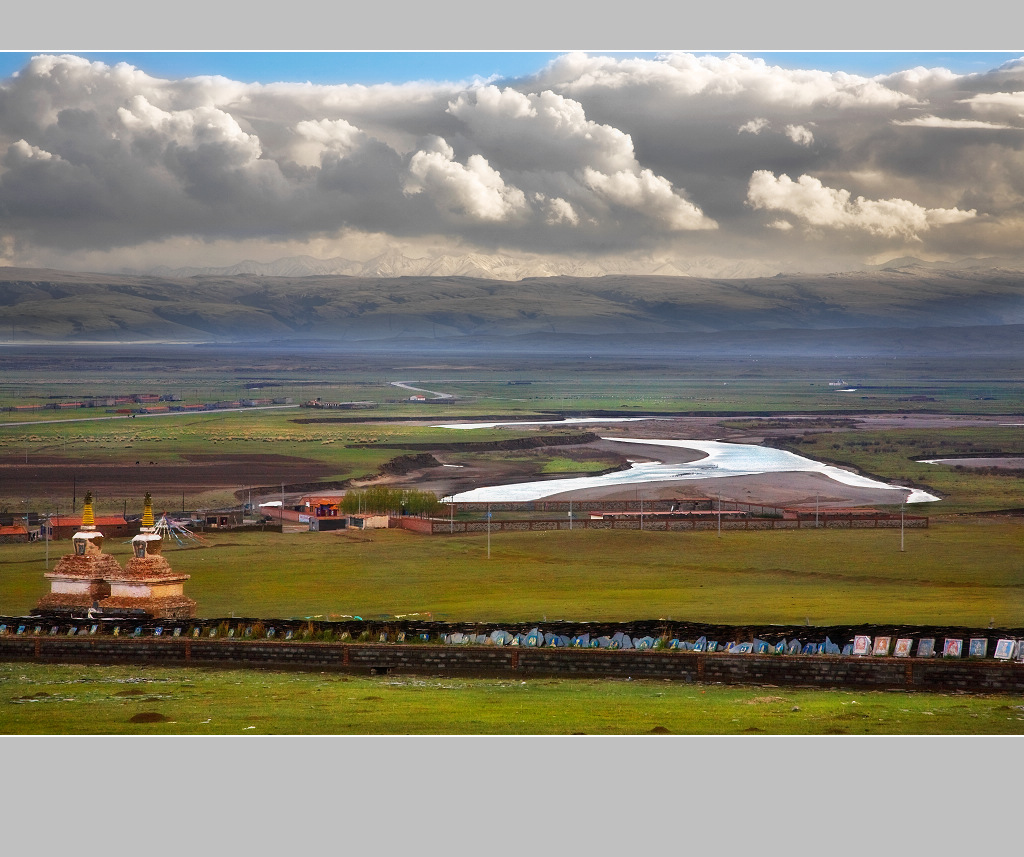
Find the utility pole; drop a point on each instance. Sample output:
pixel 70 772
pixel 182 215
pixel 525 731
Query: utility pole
pixel 815 511
pixel 570 516
pixel 719 514
pixel 901 527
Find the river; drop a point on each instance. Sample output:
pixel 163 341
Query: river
pixel 720 460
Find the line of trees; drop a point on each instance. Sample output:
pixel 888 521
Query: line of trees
pixel 381 500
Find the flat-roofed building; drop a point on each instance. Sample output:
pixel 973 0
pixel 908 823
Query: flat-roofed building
pixel 368 522
pixel 65 526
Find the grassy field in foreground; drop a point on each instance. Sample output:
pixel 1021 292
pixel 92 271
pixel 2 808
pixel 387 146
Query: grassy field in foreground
pixel 121 700
pixel 962 571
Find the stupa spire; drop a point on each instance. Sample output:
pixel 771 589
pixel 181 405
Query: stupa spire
pixel 79 580
pixel 88 518
pixel 148 583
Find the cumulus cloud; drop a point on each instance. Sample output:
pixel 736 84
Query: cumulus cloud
pixel 541 131
pixel 650 195
pixel 320 138
pixel 21 151
pixel 800 135
pixel 940 122
pixel 731 77
pixel 754 126
pixel 192 128
pixel 1004 104
pixel 559 211
pixel 675 156
pixel 474 190
pixel 810 201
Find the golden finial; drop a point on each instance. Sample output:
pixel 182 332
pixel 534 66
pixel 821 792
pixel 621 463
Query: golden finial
pixel 147 512
pixel 88 519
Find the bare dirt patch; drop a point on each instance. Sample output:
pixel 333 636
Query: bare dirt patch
pixel 794 490
pixel 147 717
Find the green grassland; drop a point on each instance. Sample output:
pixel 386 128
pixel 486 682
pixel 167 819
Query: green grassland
pixel 961 571
pixel 896 455
pixel 654 392
pixel 104 700
pixel 173 437
pixel 958 572
pixel 559 464
pixel 524 386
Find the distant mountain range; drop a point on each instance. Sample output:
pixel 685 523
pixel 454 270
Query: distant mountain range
pixel 393 263
pixel 905 307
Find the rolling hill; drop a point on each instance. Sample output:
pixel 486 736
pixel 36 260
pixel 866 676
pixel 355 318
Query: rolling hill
pixel 911 309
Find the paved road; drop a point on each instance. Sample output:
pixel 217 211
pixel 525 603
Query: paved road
pixel 433 393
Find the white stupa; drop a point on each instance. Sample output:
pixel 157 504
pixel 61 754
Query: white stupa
pixel 148 582
pixel 79 580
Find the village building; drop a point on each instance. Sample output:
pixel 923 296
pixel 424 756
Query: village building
pixel 369 522
pixel 66 526
pixel 323 513
pixel 19 527
pixel 12 533
pixel 219 519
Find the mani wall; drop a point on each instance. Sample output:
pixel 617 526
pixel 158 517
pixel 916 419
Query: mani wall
pixel 224 644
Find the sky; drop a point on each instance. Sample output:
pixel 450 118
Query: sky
pixel 711 163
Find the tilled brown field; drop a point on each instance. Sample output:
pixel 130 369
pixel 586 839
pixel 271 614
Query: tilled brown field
pixel 53 475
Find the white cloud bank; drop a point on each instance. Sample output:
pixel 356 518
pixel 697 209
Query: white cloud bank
pixel 808 200
pixel 677 158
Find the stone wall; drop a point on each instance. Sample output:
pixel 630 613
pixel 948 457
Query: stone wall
pixel 936 674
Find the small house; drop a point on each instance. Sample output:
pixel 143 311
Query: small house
pixel 368 522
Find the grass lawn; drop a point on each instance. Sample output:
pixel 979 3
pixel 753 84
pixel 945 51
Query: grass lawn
pixel 961 571
pixel 130 700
